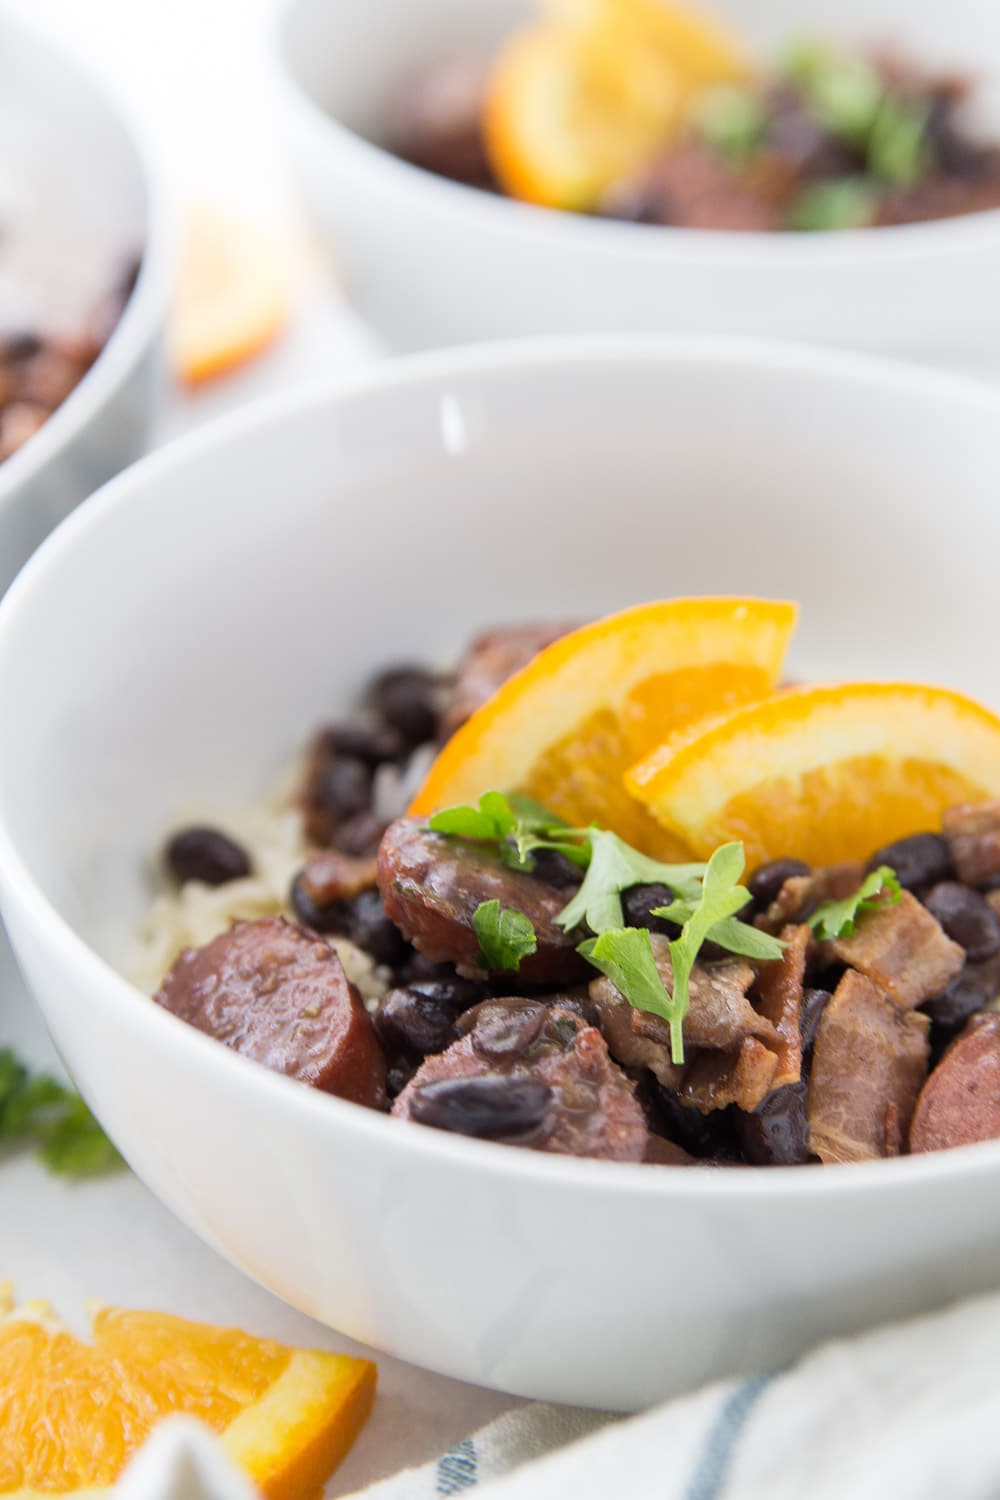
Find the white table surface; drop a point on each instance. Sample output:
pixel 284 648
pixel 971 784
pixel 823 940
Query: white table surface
pixel 194 70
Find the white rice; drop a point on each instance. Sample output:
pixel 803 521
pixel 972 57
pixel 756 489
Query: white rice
pixel 195 913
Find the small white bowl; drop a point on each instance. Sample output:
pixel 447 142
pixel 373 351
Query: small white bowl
pixel 184 631
pixel 80 199
pixel 430 262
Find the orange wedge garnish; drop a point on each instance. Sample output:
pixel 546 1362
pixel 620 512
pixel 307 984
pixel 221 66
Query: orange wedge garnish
pixel 232 298
pixel 823 774
pixel 73 1413
pixel 566 728
pixel 579 101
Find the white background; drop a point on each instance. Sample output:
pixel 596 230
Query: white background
pixel 196 72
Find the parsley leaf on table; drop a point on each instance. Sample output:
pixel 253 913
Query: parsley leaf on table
pixel 38 1110
pixel 838 919
pixel 505 937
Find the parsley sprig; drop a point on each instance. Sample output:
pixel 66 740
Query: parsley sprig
pixel 36 1109
pixel 505 936
pixel 839 919
pixel 706 900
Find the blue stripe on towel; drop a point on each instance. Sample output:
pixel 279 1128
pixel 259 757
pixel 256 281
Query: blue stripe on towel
pixel 457 1469
pixel 712 1468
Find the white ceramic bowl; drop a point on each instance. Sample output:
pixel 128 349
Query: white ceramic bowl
pixel 185 629
pixel 80 197
pixel 430 262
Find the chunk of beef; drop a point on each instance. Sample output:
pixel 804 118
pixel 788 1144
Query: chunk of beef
pixel 712 1080
pixel 904 950
pixel 278 993
pixel 490 659
pixel 800 895
pixel 432 885
pixel 960 1102
pixel 531 1074
pixel 436 120
pixel 973 833
pixel 869 1064
pixel 779 1000
pixel 693 186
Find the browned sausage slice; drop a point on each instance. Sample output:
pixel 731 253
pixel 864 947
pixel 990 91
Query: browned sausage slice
pixel 491 659
pixel 960 1102
pixel 278 993
pixel 530 1074
pixel 432 885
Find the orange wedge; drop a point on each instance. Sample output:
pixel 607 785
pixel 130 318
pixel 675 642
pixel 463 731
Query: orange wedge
pixel 232 298
pixel 566 728
pixel 580 101
pixel 73 1413
pixel 823 773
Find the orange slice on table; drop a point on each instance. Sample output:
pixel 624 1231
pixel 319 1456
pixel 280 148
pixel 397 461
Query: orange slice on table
pixel 232 298
pixel 578 102
pixel 73 1413
pixel 565 729
pixel 823 773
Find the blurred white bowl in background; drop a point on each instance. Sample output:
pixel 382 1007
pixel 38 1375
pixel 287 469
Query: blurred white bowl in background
pixel 80 200
pixel 431 262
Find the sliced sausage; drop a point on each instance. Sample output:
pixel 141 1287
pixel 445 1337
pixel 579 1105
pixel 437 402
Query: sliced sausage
pixel 530 1074
pixel 278 993
pixel 960 1102
pixel 490 660
pixel 432 885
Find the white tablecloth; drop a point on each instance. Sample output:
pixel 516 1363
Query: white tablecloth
pixel 193 69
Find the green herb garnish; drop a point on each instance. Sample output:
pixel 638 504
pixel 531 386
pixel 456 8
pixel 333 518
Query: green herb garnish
pixel 615 867
pixel 840 203
pixel 898 150
pixel 842 90
pixel 36 1109
pixel 505 937
pixel 517 825
pixel 733 121
pixel 838 919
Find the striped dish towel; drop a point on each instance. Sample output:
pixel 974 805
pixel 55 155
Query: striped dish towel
pixel 908 1412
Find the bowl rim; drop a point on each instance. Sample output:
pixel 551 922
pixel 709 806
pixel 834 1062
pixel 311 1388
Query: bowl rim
pixel 144 311
pixel 764 251
pixel 555 356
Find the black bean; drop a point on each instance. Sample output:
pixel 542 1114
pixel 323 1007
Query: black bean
pixel 555 869
pixel 967 917
pixel 814 1002
pixel 398 1074
pixel 978 985
pixel 709 1137
pixel 405 698
pixel 208 855
pixel 345 787
pixel 498 1107
pixel 372 930
pixel 372 745
pixel 15 347
pixel 415 1024
pixel 777 1134
pixel 502 1030
pixel 921 859
pixel 766 881
pixel 360 834
pixel 309 912
pixel 638 903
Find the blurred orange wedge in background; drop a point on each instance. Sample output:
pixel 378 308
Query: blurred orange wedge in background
pixel 585 97
pixel 73 1413
pixel 822 773
pixel 565 729
pixel 232 298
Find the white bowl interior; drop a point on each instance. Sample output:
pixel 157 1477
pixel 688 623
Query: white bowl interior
pixel 349 56
pixel 181 645
pixel 73 200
